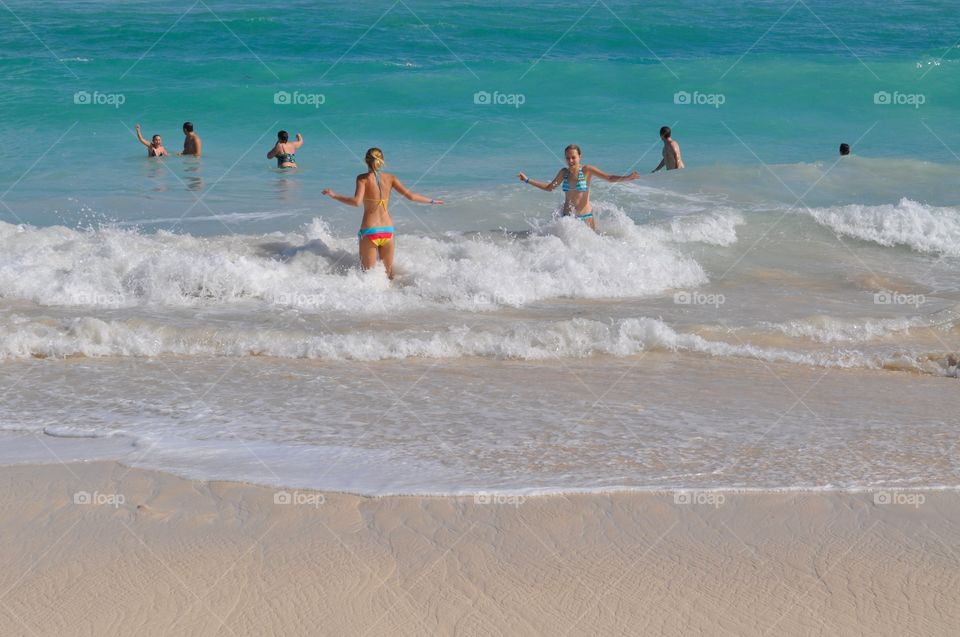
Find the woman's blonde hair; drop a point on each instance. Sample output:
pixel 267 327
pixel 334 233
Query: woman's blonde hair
pixel 374 159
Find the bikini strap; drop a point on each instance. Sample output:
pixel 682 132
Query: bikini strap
pixel 376 175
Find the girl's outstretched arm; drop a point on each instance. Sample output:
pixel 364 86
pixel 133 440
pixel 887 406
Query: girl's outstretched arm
pixel 412 196
pixel 542 185
pixel 596 172
pixel 357 194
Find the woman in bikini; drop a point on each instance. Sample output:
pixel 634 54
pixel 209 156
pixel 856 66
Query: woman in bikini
pixel 154 146
pixel 376 229
pixel 284 150
pixel 576 185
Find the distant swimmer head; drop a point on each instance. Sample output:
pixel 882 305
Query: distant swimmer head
pixel 572 154
pixel 156 141
pixel 283 137
pixel 844 149
pixel 374 159
pixel 187 127
pixel 665 132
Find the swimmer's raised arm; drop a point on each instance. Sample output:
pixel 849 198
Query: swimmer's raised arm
pixel 299 142
pixel 140 136
pixel 542 185
pixel 357 194
pixel 412 196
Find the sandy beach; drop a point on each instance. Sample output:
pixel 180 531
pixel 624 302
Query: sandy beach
pixel 101 549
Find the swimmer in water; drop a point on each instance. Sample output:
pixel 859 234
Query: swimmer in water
pixel 191 141
pixel 671 152
pixel 284 150
pixel 154 146
pixel 376 229
pixel 576 185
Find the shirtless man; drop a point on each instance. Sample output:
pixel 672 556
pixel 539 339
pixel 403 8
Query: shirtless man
pixel 154 146
pixel 191 141
pixel 671 152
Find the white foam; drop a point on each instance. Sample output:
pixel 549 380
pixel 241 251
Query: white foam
pixel 315 269
pixel 717 228
pixel 535 340
pixel 828 329
pixel 928 229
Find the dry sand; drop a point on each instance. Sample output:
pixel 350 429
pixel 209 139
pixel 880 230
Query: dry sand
pixel 178 557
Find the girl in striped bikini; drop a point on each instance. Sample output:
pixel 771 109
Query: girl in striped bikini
pixel 577 189
pixel 376 229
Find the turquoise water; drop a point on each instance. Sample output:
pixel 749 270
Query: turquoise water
pixel 209 316
pixel 796 79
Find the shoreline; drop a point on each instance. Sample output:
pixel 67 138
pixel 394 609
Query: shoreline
pixel 195 557
pixel 52 458
pixel 659 428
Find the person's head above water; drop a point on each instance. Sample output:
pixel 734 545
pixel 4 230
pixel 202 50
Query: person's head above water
pixel 156 141
pixel 665 132
pixel 283 137
pixel 844 149
pixel 187 127
pixel 374 159
pixel 572 154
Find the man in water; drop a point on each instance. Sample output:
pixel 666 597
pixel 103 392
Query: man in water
pixel 191 141
pixel 154 146
pixel 671 152
pixel 844 150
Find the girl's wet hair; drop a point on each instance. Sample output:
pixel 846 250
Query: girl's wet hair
pixel 573 147
pixel 374 159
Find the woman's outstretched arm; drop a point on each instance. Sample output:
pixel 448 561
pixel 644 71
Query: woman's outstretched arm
pixel 596 172
pixel 542 185
pixel 357 194
pixel 412 196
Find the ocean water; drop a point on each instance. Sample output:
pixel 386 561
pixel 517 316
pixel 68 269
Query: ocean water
pixel 771 317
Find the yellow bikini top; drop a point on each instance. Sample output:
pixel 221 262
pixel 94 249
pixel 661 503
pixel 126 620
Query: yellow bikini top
pixel 382 201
